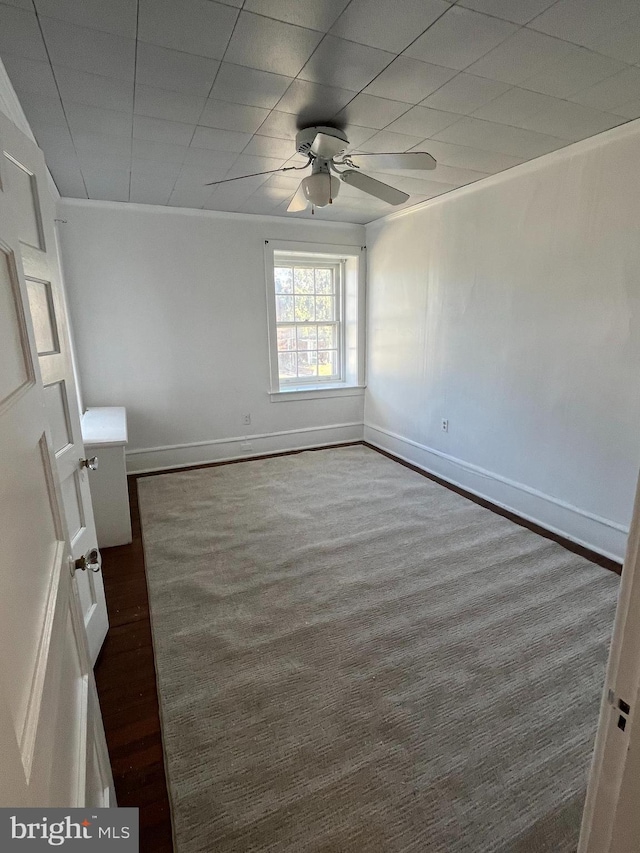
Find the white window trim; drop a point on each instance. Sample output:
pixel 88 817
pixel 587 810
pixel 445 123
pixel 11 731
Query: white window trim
pixel 353 317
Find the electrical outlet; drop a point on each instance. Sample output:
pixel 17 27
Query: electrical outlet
pixel 445 425
pixel 246 445
pixel 246 420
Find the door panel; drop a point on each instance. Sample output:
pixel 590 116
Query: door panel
pixel 49 716
pixel 23 173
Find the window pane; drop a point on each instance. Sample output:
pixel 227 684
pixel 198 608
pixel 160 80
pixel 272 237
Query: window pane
pixel 327 363
pixel 324 281
pixel 307 364
pixel 287 365
pixel 284 279
pixel 303 280
pixel 325 308
pixel 304 309
pixel 286 338
pixel 307 338
pixel 284 309
pixel 326 337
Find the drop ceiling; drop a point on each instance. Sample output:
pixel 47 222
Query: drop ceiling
pixel 148 100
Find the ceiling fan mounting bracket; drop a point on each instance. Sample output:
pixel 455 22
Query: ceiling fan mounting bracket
pixel 325 142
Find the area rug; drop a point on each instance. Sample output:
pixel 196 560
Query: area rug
pixel 352 658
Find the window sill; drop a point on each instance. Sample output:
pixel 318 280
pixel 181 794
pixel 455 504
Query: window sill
pixel 316 392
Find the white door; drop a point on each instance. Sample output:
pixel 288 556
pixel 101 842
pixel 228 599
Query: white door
pixel 611 819
pixel 52 747
pixel 24 176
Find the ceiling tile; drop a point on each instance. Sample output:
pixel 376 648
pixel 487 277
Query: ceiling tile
pixel 579 69
pixel 189 196
pixel 240 85
pixel 175 70
pixel 465 93
pixel 31 75
pixel 467 157
pixel 206 159
pixel 514 106
pixel 304 13
pixel 85 88
pixel 422 121
pixel 161 130
pixel 344 64
pixel 369 111
pixel 499 137
pixel 100 53
pixel 368 21
pixel 521 57
pixel 227 116
pixel 581 21
pixel 42 109
pixel 20 34
pixel 357 135
pixel 313 103
pixel 459 38
pixel 269 45
pixel 83 118
pixel 67 177
pixel 197 178
pixel 518 11
pixel 167 152
pixel 612 93
pixel 453 175
pixel 409 80
pixel 219 140
pixel 247 165
pixel 54 141
pixel 107 184
pixel 96 150
pixel 288 181
pixel 611 28
pixel 173 106
pixel 20 4
pixel 194 26
pixel 158 168
pixel 629 110
pixel 385 141
pixel 270 146
pixel 570 121
pixel 281 125
pixel 621 41
pixel 116 16
pixel 150 189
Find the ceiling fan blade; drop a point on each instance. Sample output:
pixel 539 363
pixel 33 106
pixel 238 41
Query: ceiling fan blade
pixel 299 201
pixel 326 147
pixel 373 187
pixel 417 160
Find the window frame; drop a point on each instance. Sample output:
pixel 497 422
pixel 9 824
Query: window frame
pixel 349 260
pixel 337 266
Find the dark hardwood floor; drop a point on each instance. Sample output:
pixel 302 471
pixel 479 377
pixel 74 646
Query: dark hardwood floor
pixel 126 680
pixel 126 676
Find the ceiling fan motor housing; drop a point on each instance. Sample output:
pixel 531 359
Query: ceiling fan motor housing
pixel 331 138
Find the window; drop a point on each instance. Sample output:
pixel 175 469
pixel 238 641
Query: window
pixel 308 298
pixel 315 331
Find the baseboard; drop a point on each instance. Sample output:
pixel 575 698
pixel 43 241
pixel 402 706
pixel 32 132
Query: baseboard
pixel 148 459
pixel 602 535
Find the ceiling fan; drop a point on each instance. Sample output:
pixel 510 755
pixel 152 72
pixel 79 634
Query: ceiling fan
pixel 325 147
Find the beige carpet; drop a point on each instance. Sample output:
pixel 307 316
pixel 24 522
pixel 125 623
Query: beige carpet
pixel 353 658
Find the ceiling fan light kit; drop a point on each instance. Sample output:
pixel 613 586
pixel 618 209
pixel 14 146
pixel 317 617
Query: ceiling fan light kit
pixel 326 149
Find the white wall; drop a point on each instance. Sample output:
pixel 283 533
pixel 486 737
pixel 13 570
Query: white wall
pixel 512 308
pixel 168 308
